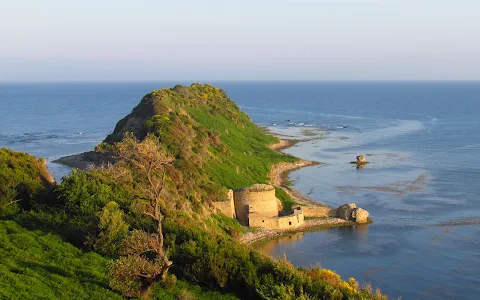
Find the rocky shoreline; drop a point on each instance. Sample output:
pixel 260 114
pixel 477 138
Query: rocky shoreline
pixel 84 161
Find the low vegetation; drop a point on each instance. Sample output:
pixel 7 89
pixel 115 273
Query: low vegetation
pixel 39 265
pixel 149 216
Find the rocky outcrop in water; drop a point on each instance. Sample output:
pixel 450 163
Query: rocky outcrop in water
pixel 360 215
pixel 360 162
pixel 345 211
pixel 350 212
pixel 361 159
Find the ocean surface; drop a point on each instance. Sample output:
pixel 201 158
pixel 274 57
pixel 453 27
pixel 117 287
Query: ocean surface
pixel 421 187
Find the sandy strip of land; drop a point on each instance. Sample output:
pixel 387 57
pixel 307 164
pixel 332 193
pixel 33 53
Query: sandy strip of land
pixel 283 144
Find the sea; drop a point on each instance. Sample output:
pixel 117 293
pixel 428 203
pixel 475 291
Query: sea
pixel 421 186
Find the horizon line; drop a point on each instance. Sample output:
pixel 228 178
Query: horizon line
pixel 237 80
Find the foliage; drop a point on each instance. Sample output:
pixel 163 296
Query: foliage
pixel 84 196
pixel 25 182
pixel 112 229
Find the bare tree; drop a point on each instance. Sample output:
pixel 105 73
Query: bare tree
pixel 146 260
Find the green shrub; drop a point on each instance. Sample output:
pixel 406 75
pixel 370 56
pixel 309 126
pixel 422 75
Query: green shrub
pixel 112 229
pixel 25 182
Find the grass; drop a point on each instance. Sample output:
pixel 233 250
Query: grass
pixel 285 198
pixel 36 265
pixel 250 161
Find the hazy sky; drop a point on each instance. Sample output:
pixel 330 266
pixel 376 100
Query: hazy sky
pixel 247 40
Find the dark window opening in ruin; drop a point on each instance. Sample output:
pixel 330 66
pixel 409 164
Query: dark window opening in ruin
pixel 289 223
pixel 263 221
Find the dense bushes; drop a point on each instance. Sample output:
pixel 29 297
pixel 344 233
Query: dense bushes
pixel 25 182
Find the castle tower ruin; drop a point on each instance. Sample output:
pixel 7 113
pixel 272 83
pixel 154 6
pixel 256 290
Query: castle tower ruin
pixel 256 199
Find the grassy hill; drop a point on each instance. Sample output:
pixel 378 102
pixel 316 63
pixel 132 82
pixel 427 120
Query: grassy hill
pixel 216 146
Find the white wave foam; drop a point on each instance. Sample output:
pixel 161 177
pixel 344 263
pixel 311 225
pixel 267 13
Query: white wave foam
pixel 337 140
pixel 303 112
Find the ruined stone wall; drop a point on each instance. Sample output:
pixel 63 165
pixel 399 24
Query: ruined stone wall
pixel 292 221
pixel 287 222
pixel 227 207
pixel 319 212
pixel 257 199
pixel 258 220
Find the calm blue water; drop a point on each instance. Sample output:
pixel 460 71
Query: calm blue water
pixel 422 140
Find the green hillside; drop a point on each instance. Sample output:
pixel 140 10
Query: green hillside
pixel 215 145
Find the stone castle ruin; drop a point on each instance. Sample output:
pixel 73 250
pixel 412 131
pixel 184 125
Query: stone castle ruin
pixel 256 206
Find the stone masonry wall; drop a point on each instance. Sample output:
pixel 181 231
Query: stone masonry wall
pixel 292 221
pixel 227 207
pixel 287 222
pixel 257 220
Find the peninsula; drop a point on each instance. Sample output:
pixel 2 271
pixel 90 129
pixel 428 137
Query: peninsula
pixel 161 201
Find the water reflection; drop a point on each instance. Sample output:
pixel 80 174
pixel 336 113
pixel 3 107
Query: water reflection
pixel 307 246
pixel 270 246
pixel 394 258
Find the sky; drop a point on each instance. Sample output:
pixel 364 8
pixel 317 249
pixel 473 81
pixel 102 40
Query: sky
pixel 88 40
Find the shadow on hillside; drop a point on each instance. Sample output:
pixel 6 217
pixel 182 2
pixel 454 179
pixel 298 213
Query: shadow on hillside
pixel 83 277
